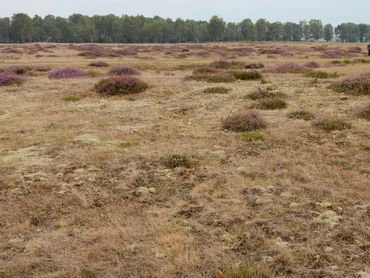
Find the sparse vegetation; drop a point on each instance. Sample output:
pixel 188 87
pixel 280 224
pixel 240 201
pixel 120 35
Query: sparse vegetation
pixel 71 98
pixel 251 136
pixel 124 70
pixel 321 74
pixel 290 67
pixel 262 93
pixel 222 77
pixel 248 120
pixel 216 90
pixel 364 112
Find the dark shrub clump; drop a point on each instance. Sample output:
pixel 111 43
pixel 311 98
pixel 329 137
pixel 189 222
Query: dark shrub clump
pixel 354 86
pixel 262 93
pixel 178 160
pixel 120 85
pixel 331 124
pixel 247 75
pixel 99 64
pixel 8 78
pixel 312 65
pixel 217 90
pixel 66 73
pixel 244 121
pixel 124 70
pixel 222 77
pixel 205 70
pixel 301 115
pixel 271 103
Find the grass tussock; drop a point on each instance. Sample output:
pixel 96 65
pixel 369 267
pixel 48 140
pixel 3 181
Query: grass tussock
pixel 270 103
pixel 216 90
pixel 254 66
pixel 120 85
pixel 71 98
pixel 262 93
pixel 222 77
pixel 247 75
pixel 178 160
pixel 64 73
pixel 301 115
pixel 248 120
pixel 330 124
pixel 124 70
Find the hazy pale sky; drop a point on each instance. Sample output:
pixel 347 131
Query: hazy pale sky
pixel 329 11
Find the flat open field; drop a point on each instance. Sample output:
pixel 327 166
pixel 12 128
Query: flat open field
pixel 163 183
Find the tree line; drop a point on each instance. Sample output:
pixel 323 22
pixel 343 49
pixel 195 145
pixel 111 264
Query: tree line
pixel 77 28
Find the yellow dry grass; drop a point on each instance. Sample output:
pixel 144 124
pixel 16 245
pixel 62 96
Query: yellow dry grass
pixel 297 202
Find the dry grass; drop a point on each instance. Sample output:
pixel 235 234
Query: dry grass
pixel 85 190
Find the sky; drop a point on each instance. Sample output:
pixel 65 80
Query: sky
pixel 329 11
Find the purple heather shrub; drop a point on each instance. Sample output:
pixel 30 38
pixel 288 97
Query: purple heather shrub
pixel 9 78
pixel 244 121
pixel 354 50
pixel 353 86
pixel 220 64
pixel 11 50
pixel 333 53
pixel 289 67
pixel 62 73
pixel 18 69
pixel 312 65
pixel 120 85
pixel 98 64
pixel 124 70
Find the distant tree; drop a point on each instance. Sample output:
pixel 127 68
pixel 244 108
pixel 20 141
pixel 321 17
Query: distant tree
pixel 316 29
pixel 261 29
pixel 4 29
pixel 232 32
pixel 291 32
pixel 305 28
pixel 362 32
pixel 328 32
pixel 21 28
pixel 216 28
pixel 275 31
pixel 348 32
pixel 248 30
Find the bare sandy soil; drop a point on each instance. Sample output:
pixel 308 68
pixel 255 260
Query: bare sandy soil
pixel 85 190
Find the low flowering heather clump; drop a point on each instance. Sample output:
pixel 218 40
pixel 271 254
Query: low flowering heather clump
pixel 330 124
pixel 254 66
pixel 353 86
pixel 120 85
pixel 244 121
pixel 9 78
pixel 216 90
pixel 205 70
pixel 66 73
pixel 222 64
pixel 270 103
pixel 354 50
pixel 301 115
pixel 124 70
pixel 98 64
pixel 290 67
pixel 333 53
pixel 262 93
pixel 18 69
pixel 312 65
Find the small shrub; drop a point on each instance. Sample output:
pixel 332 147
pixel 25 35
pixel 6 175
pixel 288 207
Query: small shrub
pixel 71 98
pixel 99 64
pixel 120 85
pixel 254 66
pixel 9 78
pixel 288 68
pixel 262 93
pixel 355 50
pixel 247 75
pixel 353 86
pixel 66 73
pixel 330 124
pixel 124 70
pixel 321 74
pixel 222 64
pixel 216 90
pixel 301 115
pixel 364 112
pixel 244 121
pixel 18 69
pixel 252 136
pixel 333 53
pixel 178 160
pixel 271 103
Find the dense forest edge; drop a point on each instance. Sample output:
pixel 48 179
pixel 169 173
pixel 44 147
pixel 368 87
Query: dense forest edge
pixel 77 28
